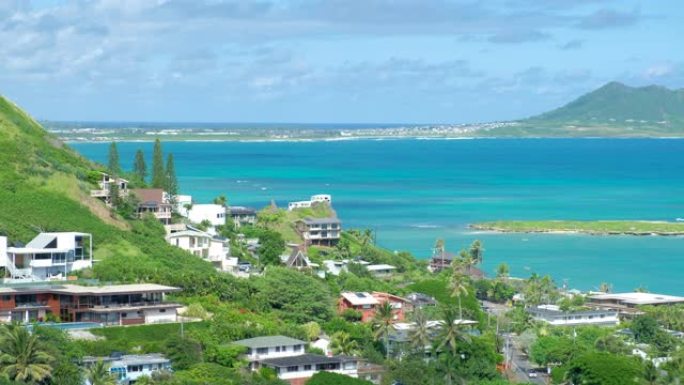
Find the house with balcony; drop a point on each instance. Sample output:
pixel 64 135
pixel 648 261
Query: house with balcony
pixel 288 357
pixel 107 305
pixel 104 191
pixel 48 256
pixel 243 215
pixel 154 201
pixel 209 247
pixel 128 368
pixel 320 231
pixel 554 316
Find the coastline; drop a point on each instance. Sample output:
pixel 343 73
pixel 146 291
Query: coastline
pixel 596 228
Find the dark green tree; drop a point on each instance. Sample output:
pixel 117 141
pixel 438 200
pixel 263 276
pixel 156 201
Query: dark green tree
pixel 158 173
pixel 139 166
pixel 113 166
pixel 605 369
pixel 171 180
pixel 183 352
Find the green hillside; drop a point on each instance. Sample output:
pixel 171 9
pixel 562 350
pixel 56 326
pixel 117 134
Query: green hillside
pixel 43 187
pixel 619 103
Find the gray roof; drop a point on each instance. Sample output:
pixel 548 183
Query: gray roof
pixel 321 221
pixel 306 359
pixel 129 359
pixel 268 341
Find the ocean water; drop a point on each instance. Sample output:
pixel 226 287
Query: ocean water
pixel 412 192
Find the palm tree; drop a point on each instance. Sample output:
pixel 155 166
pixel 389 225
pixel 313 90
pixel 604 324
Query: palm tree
pixel 99 374
pixel 419 336
pixel 448 365
pixel 23 357
pixel 502 271
pixel 382 323
pixel 459 286
pixel 466 260
pixel 605 287
pixel 476 252
pixel 342 343
pixel 450 330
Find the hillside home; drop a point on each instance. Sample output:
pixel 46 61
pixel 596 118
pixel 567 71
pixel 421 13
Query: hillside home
pixel 128 368
pixel 242 215
pixel 105 183
pixel 336 267
pixel 552 315
pixel 441 260
pixel 297 370
pixel 214 214
pixel 366 303
pixel 261 348
pixel 320 231
pixel 400 335
pixel 48 256
pixel 212 248
pixel 381 270
pixel 154 201
pixel 108 305
pixel 420 300
pixel 183 203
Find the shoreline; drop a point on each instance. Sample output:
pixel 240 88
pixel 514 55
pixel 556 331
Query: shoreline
pixel 595 228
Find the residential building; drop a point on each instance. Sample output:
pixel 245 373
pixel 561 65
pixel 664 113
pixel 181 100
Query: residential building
pixel 628 303
pixel 297 259
pixel 129 368
pixel 214 214
pixel 552 315
pixel 440 260
pixel 315 199
pixel 105 183
pixel 336 267
pixel 381 270
pixel 108 305
pixel 320 231
pixel 243 215
pixel 367 303
pixel 183 203
pixel 296 370
pixel 48 256
pixel 154 201
pixel 212 248
pixel 370 372
pixel 261 348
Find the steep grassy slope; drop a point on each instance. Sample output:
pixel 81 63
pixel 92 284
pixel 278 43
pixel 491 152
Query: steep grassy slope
pixel 43 188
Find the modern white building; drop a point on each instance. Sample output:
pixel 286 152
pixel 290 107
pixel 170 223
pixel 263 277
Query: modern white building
pixel 318 198
pixel 48 256
pixel 129 368
pixel 182 204
pixel 552 315
pixel 212 213
pixel 628 303
pixel 204 245
pixel 320 231
pixel 335 267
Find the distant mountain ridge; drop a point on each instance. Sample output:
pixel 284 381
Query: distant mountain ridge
pixel 618 103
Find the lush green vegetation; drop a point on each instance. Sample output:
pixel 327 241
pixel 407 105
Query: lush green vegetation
pixel 327 378
pixel 589 227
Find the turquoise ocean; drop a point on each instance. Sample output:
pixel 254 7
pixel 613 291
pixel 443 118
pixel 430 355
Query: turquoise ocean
pixel 413 191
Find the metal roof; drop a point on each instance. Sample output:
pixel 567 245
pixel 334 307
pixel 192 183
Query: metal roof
pixel 268 341
pixel 306 359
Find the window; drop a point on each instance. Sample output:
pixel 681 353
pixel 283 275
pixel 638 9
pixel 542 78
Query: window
pixel 277 349
pixel 307 367
pixel 297 348
pixel 162 310
pixel 262 350
pixel 135 368
pixel 293 368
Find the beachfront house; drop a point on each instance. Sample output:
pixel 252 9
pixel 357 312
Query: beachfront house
pixel 108 305
pixel 48 256
pixel 104 191
pixel 128 368
pixel 627 303
pixel 554 316
pixel 315 199
pixel 320 231
pixel 366 304
pixel 242 215
pixel 154 201
pixel 209 247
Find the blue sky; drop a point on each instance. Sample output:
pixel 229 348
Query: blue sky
pixel 328 60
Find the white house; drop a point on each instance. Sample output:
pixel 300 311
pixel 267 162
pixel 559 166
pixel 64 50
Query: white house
pixel 261 348
pixel 336 267
pixel 105 183
pixel 318 198
pixel 629 302
pixel 48 256
pixel 182 204
pixel 129 368
pixel 381 270
pixel 202 244
pixel 552 315
pixel 213 213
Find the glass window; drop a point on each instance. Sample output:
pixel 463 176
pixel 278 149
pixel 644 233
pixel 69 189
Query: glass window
pixel 293 368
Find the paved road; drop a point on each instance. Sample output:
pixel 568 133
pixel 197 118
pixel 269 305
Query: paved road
pixel 520 364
